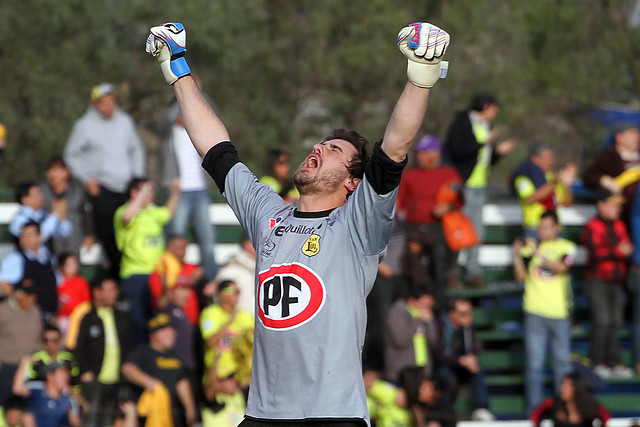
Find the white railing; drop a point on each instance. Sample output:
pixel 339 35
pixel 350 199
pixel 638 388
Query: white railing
pixel 222 215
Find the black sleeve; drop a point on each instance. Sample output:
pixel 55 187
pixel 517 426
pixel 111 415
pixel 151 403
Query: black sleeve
pixel 218 162
pixel 123 325
pixel 137 356
pixel 80 351
pixel 383 173
pixel 460 141
pixel 495 157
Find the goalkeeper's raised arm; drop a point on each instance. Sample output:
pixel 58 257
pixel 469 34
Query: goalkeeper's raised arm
pixel 168 44
pixel 423 45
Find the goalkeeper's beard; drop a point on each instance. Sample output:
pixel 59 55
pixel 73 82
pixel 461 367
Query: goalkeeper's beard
pixel 322 182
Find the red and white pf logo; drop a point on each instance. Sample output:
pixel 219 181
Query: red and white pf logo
pixel 289 295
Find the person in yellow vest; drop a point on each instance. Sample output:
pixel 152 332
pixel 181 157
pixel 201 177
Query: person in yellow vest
pixel 471 146
pixel 278 175
pixel 544 268
pixel 539 188
pixel 228 335
pixel 410 332
pixel 221 324
pixel 225 401
pixel 51 338
pixel 387 402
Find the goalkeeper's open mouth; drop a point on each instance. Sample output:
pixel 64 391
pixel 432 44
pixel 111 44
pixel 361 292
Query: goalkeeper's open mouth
pixel 312 161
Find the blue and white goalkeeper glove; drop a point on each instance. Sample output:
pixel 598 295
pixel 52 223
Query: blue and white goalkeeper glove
pixel 168 43
pixel 424 46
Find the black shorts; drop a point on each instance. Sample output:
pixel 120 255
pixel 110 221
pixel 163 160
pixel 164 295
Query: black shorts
pixel 248 422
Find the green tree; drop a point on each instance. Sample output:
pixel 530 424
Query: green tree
pixel 284 72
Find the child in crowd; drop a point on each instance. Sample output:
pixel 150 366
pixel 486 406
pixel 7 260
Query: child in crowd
pixel 73 289
pixel 608 246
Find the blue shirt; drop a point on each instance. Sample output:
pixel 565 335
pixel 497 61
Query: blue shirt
pixel 12 265
pixel 50 225
pixel 47 411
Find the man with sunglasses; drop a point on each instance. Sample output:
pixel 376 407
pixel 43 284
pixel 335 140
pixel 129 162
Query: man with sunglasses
pixel 51 352
pixel 104 340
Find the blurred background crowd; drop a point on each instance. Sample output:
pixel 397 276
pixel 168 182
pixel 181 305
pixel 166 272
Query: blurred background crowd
pixel 548 118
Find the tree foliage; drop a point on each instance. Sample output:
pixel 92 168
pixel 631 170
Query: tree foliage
pixel 285 72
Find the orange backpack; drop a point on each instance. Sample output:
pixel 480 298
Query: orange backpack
pixel 458 229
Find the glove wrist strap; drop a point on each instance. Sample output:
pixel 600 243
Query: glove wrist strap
pixel 173 70
pixel 180 68
pixel 423 75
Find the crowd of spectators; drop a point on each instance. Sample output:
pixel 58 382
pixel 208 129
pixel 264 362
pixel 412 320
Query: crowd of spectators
pixel 144 336
pixel 433 337
pixel 152 336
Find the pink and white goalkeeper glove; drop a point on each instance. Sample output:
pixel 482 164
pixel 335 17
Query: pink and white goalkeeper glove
pixel 424 46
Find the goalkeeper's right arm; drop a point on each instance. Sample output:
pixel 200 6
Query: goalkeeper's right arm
pixel 168 44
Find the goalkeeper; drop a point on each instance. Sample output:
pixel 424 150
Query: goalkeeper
pixel 317 261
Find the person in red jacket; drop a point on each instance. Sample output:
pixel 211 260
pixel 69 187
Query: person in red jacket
pixel 73 289
pixel 573 407
pixel 421 214
pixel 608 246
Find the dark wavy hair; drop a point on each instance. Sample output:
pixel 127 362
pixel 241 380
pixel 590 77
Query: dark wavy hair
pixel 586 404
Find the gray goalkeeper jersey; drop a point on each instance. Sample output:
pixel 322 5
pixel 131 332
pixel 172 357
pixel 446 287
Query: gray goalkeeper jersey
pixel 314 272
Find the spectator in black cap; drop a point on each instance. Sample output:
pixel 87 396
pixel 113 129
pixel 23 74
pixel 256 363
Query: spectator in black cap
pixel 156 363
pixel 472 146
pixel 185 345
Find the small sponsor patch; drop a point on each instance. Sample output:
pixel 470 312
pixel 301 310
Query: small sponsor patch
pixel 312 246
